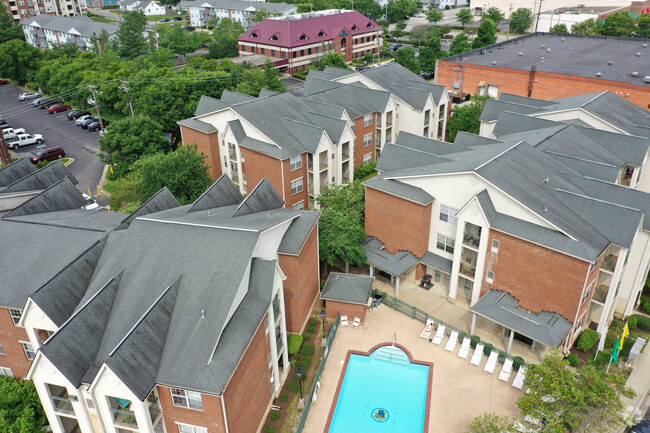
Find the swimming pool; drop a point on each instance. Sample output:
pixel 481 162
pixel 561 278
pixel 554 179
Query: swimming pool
pixel 383 391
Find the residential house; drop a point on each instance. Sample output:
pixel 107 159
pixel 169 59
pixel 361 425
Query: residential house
pixel 145 6
pixel 539 227
pixel 242 11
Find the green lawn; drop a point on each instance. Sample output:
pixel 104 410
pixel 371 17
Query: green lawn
pixel 101 19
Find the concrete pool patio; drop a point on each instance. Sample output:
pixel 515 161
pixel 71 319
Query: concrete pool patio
pixel 460 393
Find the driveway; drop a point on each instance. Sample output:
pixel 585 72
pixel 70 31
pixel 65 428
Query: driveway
pixel 56 130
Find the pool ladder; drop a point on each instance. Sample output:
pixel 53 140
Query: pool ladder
pixel 392 354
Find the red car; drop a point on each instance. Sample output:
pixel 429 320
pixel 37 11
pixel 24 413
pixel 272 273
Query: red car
pixel 47 154
pixel 58 108
pixel 3 81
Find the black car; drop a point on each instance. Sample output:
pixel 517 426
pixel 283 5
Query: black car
pixel 95 126
pixel 84 124
pixel 178 18
pixel 3 121
pixel 164 20
pixel 189 28
pixel 75 114
pixel 641 427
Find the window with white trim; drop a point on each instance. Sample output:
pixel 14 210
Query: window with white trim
pixel 489 277
pixel 445 243
pixel 495 246
pixel 187 428
pixel 587 293
pixel 300 205
pixel 2 351
pixel 367 158
pixel 448 214
pixel 296 186
pixel 241 154
pixel 185 398
pixel 295 162
pixel 492 91
pixel 367 120
pixel 30 353
pixel 4 371
pixel 367 140
pixel 15 315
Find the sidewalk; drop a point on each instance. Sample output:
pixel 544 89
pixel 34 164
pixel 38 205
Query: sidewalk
pixel 639 381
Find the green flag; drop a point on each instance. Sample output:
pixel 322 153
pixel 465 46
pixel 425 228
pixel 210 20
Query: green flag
pixel 617 347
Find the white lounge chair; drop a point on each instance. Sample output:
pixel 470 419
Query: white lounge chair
pixel 356 322
pixel 440 333
pixel 464 348
pixel 451 343
pixel 478 355
pixel 491 362
pixel 344 321
pixel 519 378
pixel 426 332
pixel 506 370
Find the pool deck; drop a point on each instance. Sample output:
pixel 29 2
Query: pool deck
pixel 460 393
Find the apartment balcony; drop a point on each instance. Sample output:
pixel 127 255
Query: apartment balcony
pixel 232 155
pixel 467 270
pixel 389 120
pixel 277 312
pixel 310 165
pixel 124 417
pixel 345 155
pixel 155 411
pixel 322 166
pixel 62 405
pixel 600 293
pixel 471 240
pixel 609 263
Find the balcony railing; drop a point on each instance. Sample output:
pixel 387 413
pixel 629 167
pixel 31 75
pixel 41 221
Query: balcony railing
pixel 471 240
pixel 345 155
pixel 276 311
pixel 62 405
pixel 322 166
pixel 467 269
pixel 609 263
pixel 124 417
pixel 155 411
pixel 389 120
pixel 279 344
pixel 600 294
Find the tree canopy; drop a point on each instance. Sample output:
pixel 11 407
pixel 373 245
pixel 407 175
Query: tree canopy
pixel 486 34
pixel 490 423
pixel 340 227
pixel 20 407
pixel 130 35
pixel 521 20
pixel 466 117
pixel 460 45
pixel 465 16
pixel 559 28
pixel 405 56
pixel 17 58
pixel 435 15
pixel 494 14
pixel 8 29
pixel 256 79
pixel 619 24
pixel 401 9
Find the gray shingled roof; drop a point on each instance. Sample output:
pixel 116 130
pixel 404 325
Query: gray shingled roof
pixel 41 179
pixel 198 125
pixel 161 200
pixel 353 289
pixel 240 5
pixel 62 195
pixel 221 193
pixel 399 189
pixel 208 104
pixel 548 328
pixel 438 262
pixel 263 198
pixel 356 99
pixel 15 171
pixel 396 264
pixel 396 156
pixel 81 25
pixel 298 232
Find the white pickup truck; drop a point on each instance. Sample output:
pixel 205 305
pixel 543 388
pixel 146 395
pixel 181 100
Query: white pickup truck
pixel 10 133
pixel 24 140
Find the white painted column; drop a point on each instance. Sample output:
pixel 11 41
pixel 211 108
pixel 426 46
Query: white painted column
pixel 512 337
pixel 397 287
pixel 141 411
pixel 473 323
pixel 372 271
pixel 33 337
pixel 48 407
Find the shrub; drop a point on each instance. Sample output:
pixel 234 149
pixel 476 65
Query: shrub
pixel 643 322
pixel 294 341
pixel 306 337
pixel 602 358
pixel 627 346
pixel 645 304
pixel 615 329
pixel 364 170
pixel 311 329
pixel 307 350
pixel 574 360
pixel 284 398
pixel 305 362
pixel 475 340
pixel 322 284
pixel 294 384
pixel 275 416
pixel 518 361
pixel 313 322
pixel 300 75
pixel 270 429
pixel 487 349
pixel 587 340
pixel 632 322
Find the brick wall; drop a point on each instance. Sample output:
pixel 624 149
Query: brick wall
pixel 398 223
pixel 302 284
pixel 292 199
pixel 346 309
pixel 211 417
pixel 360 131
pixel 548 85
pixel 257 166
pixel 208 144
pixel 249 392
pixel 540 278
pixel 10 337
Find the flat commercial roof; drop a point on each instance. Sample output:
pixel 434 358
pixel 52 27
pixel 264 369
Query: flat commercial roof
pixel 576 55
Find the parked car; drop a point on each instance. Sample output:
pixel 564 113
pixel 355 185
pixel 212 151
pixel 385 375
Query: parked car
pixel 57 108
pixel 3 121
pixel 10 133
pixel 28 95
pixel 49 103
pixel 641 427
pixel 174 25
pixel 75 114
pixel 82 118
pixel 84 123
pixel 395 47
pixel 5 126
pixel 38 101
pixel 91 204
pixel 165 20
pixel 189 28
pixel 3 81
pixel 21 140
pixel 178 18
pixel 95 126
pixel 47 154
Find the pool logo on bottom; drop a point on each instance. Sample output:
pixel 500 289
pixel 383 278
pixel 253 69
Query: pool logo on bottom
pixel 380 414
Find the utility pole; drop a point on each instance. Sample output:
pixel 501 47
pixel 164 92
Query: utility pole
pixel 93 90
pixel 509 18
pixel 539 11
pixel 5 158
pixel 125 86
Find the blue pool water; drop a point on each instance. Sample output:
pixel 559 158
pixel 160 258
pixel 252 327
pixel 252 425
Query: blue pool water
pixel 382 392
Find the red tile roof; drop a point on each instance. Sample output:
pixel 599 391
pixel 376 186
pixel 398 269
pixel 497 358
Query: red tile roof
pixel 294 33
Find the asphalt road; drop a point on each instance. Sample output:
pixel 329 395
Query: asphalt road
pixel 56 130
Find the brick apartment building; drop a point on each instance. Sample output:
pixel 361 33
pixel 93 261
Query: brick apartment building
pixel 550 66
pixel 540 226
pixel 295 41
pixel 23 9
pixel 109 302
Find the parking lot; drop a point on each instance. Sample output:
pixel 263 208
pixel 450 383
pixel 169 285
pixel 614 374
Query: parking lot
pixel 56 130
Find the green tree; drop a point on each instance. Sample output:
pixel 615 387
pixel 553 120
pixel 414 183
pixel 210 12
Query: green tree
pixel 643 26
pixel 226 32
pixel 401 9
pixel 486 34
pixel 435 15
pixel 459 45
pixel 340 227
pixel 8 29
pixel 406 57
pixel 559 28
pixel 521 20
pixel 465 16
pixel 60 50
pixel 369 8
pixel 227 26
pixel 619 24
pixel 586 27
pixel 261 15
pixel 20 407
pixel 102 42
pixel 494 14
pixel 124 194
pixel 255 79
pixel 184 172
pixel 429 53
pixel 466 117
pixel 130 35
pixel 130 139
pixel 490 423
pixel 333 59
pixel 18 59
pixel 567 398
pixel 419 34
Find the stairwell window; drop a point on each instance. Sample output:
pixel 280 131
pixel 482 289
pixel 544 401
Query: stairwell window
pixel 367 158
pixel 495 246
pixel 4 371
pixel 185 398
